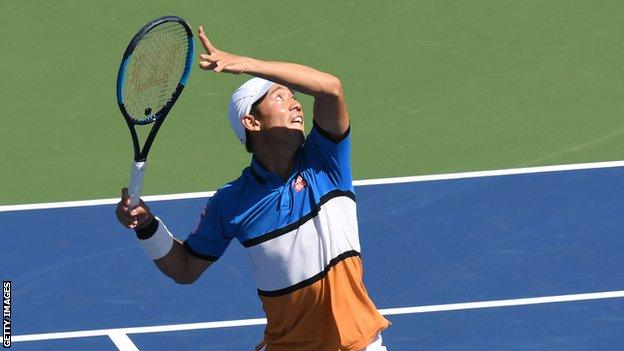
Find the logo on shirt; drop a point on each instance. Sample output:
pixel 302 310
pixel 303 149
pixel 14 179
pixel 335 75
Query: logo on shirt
pixel 299 183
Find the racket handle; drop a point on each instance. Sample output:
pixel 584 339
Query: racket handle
pixel 136 182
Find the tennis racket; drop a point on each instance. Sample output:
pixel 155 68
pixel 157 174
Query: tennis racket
pixel 153 72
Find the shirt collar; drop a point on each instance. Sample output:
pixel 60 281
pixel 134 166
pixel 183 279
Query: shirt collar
pixel 259 172
pixel 262 174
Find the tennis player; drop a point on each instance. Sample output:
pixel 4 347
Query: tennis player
pixel 293 209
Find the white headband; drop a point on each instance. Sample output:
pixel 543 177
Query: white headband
pixel 241 102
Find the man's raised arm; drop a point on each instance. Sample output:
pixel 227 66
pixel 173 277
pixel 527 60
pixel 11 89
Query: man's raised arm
pixel 330 109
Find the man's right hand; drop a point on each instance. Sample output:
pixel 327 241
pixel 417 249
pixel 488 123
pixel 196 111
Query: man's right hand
pixel 132 217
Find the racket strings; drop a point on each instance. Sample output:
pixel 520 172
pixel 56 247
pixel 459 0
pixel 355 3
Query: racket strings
pixel 157 64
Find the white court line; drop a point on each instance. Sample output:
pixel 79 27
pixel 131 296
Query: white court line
pixel 364 182
pixel 494 173
pixel 504 303
pixel 122 341
pixel 86 203
pixel 262 321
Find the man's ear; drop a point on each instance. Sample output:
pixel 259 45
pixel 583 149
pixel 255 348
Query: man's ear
pixel 251 123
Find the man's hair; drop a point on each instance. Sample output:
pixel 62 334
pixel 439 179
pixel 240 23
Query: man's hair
pixel 252 111
pixel 248 142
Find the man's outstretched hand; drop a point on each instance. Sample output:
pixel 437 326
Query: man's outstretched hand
pixel 219 61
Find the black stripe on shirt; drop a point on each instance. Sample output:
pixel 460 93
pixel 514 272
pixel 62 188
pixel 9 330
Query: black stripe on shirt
pixel 326 135
pixel 199 255
pixel 290 227
pixel 343 256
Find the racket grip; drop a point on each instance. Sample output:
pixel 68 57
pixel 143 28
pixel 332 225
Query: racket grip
pixel 136 182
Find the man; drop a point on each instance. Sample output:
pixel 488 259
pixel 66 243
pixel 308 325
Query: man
pixel 293 209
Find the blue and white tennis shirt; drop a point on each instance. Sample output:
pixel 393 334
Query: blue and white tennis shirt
pixel 302 237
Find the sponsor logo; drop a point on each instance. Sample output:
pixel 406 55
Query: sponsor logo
pixel 299 183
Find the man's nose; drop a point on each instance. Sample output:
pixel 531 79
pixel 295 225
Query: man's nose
pixel 296 105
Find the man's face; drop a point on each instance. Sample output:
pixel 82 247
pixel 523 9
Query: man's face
pixel 280 109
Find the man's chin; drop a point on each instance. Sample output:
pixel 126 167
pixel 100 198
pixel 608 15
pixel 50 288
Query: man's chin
pixel 297 137
pixel 290 136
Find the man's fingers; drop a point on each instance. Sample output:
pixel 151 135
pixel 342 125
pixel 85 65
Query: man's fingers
pixel 121 210
pixel 208 57
pixel 206 65
pixel 125 219
pixel 204 40
pixel 130 217
pixel 123 213
pixel 138 211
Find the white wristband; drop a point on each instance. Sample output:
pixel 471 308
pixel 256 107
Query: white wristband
pixel 158 245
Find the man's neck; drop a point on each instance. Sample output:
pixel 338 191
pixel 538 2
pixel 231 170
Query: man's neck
pixel 277 160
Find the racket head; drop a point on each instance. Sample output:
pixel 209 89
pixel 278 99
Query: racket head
pixel 154 69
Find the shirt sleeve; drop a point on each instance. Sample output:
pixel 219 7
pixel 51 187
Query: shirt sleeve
pixel 331 156
pixel 209 240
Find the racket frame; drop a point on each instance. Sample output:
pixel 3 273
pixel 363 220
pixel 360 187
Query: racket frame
pixel 140 155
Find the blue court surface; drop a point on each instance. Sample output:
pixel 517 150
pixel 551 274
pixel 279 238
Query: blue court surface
pixel 529 261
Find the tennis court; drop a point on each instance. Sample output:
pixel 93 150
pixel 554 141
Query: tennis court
pixel 486 146
pixel 506 259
